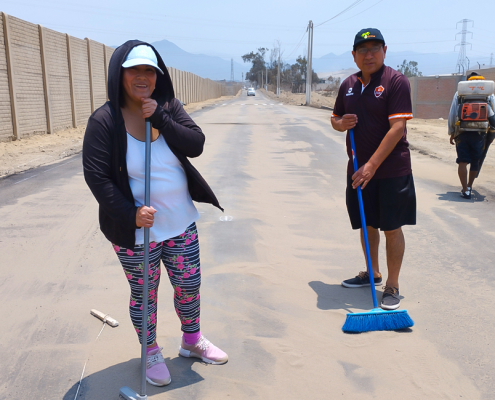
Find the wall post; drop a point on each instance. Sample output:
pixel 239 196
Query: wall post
pixel 11 76
pixel 71 79
pixel 90 68
pixel 105 67
pixel 414 94
pixel 46 86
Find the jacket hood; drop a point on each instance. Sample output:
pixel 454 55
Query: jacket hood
pixel 164 90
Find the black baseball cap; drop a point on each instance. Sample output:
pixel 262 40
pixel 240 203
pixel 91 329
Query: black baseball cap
pixel 368 35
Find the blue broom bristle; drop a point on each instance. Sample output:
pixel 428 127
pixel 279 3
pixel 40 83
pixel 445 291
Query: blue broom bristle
pixel 377 320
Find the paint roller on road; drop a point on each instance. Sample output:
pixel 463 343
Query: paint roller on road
pixel 105 318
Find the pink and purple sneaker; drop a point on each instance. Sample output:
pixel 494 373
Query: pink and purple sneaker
pixel 156 371
pixel 204 350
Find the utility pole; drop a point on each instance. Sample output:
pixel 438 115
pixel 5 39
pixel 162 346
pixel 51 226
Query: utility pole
pixel 309 67
pixel 232 70
pixel 278 73
pixel 266 78
pixel 461 60
pixel 261 78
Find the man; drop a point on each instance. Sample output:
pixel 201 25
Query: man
pixel 471 146
pixel 376 103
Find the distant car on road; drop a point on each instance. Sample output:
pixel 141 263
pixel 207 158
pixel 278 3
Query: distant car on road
pixel 251 92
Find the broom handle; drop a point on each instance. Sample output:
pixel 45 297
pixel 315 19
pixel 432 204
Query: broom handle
pixel 363 223
pixel 144 325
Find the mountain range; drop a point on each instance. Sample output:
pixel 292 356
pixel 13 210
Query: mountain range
pixel 428 63
pixel 217 68
pixel 212 67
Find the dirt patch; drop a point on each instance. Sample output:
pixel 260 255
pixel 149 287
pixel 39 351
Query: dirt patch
pixel 298 99
pixel 426 137
pixel 33 151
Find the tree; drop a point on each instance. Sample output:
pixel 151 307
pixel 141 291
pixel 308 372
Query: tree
pixel 258 61
pixel 409 68
pixel 299 75
pixel 292 77
pixel 333 83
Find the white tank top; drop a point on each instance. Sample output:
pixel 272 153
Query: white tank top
pixel 169 194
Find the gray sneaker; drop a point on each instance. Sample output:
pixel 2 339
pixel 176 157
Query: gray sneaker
pixel 390 298
pixel 362 279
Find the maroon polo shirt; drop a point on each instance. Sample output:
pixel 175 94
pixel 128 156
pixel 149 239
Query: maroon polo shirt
pixel 387 96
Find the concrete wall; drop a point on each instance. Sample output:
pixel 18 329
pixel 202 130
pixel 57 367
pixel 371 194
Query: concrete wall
pixel 55 45
pixel 432 96
pixel 28 77
pixel 231 89
pixel 51 81
pixel 98 75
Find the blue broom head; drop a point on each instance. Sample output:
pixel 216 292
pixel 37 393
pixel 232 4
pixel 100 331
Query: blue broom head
pixel 377 320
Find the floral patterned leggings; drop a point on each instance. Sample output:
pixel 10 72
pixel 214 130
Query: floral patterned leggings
pixel 180 255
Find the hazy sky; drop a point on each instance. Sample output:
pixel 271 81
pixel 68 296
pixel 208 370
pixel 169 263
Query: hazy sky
pixel 233 28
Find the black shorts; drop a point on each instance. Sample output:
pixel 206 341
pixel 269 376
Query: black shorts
pixel 388 203
pixel 469 147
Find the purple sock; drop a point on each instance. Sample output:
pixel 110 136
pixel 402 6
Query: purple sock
pixel 191 338
pixel 152 348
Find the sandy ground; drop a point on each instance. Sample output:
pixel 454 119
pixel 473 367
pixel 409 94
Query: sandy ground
pixel 299 99
pixel 426 136
pixel 34 151
pixel 272 266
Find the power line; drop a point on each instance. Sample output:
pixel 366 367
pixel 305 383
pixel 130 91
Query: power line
pixel 132 14
pixel 357 2
pixel 355 15
pixel 297 46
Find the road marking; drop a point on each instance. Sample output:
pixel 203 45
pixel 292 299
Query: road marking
pixel 226 218
pixel 25 179
pixel 32 176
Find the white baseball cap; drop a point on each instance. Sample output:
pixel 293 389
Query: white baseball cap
pixel 141 55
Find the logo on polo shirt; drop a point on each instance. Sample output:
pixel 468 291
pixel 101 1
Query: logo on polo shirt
pixel 378 91
pixel 349 92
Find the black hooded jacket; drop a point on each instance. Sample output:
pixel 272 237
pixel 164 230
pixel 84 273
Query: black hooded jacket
pixel 105 149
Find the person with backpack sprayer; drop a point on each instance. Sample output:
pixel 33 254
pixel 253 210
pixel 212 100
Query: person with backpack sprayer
pixel 471 127
pixel 139 89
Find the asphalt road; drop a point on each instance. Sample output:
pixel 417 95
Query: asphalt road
pixel 272 266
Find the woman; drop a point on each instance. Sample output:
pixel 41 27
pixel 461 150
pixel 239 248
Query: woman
pixel 139 87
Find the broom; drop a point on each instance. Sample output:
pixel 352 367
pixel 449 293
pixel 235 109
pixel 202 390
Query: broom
pixel 376 319
pixel 126 392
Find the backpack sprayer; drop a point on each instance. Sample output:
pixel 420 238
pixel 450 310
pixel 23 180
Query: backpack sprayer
pixel 473 112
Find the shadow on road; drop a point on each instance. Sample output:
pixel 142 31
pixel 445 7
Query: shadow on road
pixel 337 297
pixel 106 384
pixel 456 196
